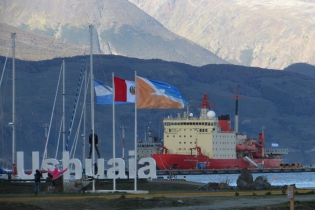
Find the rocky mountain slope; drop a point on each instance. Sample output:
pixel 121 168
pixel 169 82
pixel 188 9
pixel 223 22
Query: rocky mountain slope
pixel 263 33
pixel 33 46
pixel 120 28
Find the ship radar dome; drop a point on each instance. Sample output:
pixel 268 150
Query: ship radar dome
pixel 191 114
pixel 211 114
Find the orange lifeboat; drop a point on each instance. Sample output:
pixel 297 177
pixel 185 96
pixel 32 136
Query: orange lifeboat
pixel 243 147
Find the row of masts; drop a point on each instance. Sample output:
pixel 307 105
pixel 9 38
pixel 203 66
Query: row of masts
pixel 12 124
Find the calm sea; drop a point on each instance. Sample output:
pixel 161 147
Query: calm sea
pixel 300 179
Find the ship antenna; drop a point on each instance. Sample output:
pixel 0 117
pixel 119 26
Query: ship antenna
pixel 236 96
pixel 205 105
pixel 187 115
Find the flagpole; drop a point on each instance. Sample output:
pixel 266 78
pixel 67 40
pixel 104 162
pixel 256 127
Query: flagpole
pixel 92 103
pixel 13 35
pixel 135 169
pixel 114 163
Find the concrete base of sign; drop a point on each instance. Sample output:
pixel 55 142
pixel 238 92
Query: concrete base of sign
pixel 120 191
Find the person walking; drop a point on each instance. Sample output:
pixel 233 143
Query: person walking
pixel 95 143
pixel 37 176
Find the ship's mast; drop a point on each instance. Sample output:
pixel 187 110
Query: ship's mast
pixel 205 105
pixel 236 108
pixel 150 134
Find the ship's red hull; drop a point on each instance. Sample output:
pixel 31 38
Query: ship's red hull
pixel 176 161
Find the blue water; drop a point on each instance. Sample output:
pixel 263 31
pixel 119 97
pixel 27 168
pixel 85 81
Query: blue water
pixel 300 179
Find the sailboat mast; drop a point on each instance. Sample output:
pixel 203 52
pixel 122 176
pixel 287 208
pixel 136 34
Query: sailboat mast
pixel 13 97
pixel 84 118
pixel 92 100
pixel 63 106
pixel 123 141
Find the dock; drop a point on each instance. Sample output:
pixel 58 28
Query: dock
pixel 231 171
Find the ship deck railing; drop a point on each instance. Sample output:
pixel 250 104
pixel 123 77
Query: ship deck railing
pixel 276 151
pixel 149 144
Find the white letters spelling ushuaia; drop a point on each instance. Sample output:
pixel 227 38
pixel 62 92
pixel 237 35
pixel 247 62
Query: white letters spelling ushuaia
pixel 117 169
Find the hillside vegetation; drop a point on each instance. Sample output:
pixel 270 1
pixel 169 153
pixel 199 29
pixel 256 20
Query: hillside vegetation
pixel 280 101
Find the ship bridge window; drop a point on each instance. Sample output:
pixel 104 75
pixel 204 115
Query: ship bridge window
pixel 203 123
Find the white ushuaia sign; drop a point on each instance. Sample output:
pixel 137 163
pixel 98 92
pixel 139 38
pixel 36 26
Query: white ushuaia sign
pixel 146 172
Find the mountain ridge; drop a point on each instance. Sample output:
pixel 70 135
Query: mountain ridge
pixel 120 28
pixel 268 34
pixel 281 101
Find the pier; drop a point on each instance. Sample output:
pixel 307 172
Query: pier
pixel 231 171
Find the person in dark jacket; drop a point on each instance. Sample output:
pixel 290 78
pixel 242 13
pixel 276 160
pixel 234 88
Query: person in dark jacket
pixel 95 142
pixel 37 176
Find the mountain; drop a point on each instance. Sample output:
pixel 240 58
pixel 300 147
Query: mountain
pixel 302 68
pixel 267 34
pixel 34 46
pixel 120 28
pixel 280 101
